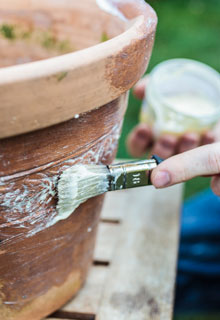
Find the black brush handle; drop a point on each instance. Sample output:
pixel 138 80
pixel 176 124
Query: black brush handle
pixel 158 161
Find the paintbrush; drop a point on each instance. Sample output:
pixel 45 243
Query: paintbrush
pixel 81 182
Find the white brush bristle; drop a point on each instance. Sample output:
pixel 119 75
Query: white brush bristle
pixel 79 183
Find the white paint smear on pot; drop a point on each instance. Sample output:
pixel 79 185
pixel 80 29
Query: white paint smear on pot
pixel 28 201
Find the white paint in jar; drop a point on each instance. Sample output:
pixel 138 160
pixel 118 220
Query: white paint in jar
pixel 182 96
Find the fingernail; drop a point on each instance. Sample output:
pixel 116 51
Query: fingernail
pixel 162 179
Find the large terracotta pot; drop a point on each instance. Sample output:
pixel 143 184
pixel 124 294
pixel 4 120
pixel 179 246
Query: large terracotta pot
pixel 64 109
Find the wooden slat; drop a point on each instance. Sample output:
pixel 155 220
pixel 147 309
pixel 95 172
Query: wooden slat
pixel 142 251
pixel 89 298
pixel 141 280
pixel 115 204
pixel 106 241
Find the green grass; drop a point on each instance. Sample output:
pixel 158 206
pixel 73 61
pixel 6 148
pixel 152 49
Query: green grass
pixel 186 29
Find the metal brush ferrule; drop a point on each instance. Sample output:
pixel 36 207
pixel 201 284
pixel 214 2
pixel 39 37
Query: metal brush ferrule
pixel 131 174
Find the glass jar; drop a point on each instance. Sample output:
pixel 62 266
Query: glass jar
pixel 182 96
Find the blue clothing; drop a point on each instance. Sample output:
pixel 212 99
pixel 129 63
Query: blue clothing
pixel 198 277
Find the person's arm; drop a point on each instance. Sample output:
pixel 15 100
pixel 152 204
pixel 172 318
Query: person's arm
pixel 201 161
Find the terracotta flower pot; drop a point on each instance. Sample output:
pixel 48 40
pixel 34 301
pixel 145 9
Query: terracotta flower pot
pixel 66 108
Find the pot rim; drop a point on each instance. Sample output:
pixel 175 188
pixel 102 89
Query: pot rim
pixel 35 84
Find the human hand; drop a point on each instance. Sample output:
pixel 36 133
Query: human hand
pixel 141 137
pixel 201 161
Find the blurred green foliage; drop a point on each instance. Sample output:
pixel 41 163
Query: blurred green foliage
pixel 186 29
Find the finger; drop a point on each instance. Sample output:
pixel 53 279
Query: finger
pixel 165 147
pixel 204 160
pixel 208 138
pixel 139 140
pixel 215 185
pixel 188 141
pixel 139 89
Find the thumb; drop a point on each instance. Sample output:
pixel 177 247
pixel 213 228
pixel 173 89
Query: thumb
pixel 185 166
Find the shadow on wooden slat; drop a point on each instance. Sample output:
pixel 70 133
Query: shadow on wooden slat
pixel 102 263
pixel 111 221
pixel 72 316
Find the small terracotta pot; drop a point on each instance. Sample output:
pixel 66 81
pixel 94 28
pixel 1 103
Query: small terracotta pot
pixel 64 109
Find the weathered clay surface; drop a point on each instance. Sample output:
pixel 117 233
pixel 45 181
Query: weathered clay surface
pixel 47 28
pixel 29 35
pixel 45 255
pixel 55 113
pixel 127 67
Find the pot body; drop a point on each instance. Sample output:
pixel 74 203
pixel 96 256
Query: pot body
pixel 66 108
pixel 41 261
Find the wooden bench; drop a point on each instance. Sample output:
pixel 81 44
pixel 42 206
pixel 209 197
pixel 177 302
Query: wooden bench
pixel 134 269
